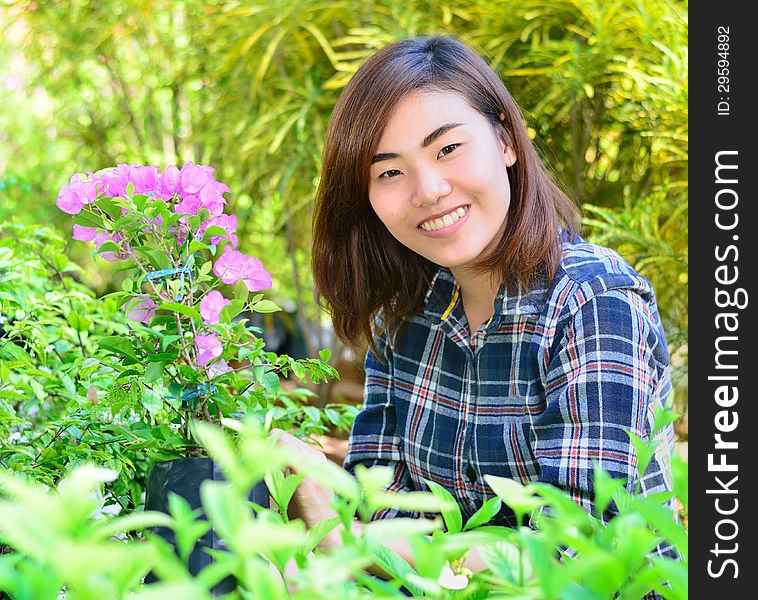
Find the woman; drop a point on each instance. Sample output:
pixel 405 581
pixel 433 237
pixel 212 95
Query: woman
pixel 499 341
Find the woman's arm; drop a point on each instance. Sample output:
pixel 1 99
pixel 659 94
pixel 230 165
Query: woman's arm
pixel 605 375
pixel 312 504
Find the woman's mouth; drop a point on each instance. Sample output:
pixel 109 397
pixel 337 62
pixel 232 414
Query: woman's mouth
pixel 445 220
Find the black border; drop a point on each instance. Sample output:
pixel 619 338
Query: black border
pixel 710 133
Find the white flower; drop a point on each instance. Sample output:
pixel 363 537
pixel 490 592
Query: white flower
pixel 49 348
pixel 16 435
pixel 450 581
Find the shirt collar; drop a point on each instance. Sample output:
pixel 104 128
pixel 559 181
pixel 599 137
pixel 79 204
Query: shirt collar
pixel 443 297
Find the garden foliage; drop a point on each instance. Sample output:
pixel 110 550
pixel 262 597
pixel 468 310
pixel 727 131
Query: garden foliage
pixel 56 541
pixel 248 87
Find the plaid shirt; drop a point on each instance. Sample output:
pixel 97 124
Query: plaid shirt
pixel 541 392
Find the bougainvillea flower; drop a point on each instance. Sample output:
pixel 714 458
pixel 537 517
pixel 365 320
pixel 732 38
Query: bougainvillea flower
pixel 227 222
pixel 168 182
pixel 143 310
pixel 192 177
pixel 208 348
pixel 218 368
pixel 211 305
pixel 145 179
pixel 233 265
pixel 256 277
pixel 68 201
pixel 113 182
pixel 189 204
pixel 86 190
pixel 212 197
pixel 84 234
pixel 230 266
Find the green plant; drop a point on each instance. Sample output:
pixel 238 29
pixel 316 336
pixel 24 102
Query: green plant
pixel 272 557
pixel 187 348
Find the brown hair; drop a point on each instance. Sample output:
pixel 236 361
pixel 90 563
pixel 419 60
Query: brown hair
pixel 359 268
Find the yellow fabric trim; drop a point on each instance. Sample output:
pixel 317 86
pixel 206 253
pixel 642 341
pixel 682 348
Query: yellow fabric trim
pixel 449 309
pixel 487 324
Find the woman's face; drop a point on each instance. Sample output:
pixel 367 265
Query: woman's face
pixel 439 181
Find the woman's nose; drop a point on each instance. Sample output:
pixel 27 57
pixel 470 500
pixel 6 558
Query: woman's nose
pixel 430 188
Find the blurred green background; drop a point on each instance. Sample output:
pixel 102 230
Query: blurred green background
pixel 247 87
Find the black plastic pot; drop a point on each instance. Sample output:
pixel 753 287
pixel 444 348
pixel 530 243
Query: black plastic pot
pixel 183 476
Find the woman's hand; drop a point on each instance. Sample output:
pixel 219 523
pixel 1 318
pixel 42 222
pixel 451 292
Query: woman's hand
pixel 311 500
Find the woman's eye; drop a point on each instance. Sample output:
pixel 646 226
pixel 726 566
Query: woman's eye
pixel 447 150
pixel 389 174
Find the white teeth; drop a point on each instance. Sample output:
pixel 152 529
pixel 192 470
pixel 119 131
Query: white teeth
pixel 444 221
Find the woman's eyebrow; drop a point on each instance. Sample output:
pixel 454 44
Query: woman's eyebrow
pixel 429 139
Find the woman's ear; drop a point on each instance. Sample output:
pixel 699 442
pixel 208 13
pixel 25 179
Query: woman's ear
pixel 510 156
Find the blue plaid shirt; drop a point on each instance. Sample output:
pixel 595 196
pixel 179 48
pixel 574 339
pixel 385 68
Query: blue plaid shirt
pixel 541 392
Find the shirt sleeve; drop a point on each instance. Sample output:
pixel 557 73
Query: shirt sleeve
pixel 606 374
pixel 374 438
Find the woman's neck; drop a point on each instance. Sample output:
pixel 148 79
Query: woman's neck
pixel 478 293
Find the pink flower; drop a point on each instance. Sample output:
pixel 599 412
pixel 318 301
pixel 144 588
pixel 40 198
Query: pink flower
pixel 211 305
pixel 256 277
pixel 189 204
pixel 113 181
pixel 218 368
pixel 145 179
pixel 143 310
pixel 68 201
pixel 212 197
pixel 227 222
pixel 84 234
pixel 208 348
pixel 233 265
pixel 230 266
pixel 78 192
pixel 193 177
pixel 168 181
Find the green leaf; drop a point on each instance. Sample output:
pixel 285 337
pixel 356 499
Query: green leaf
pixel 519 497
pixel 152 401
pixel 605 489
pixel 78 322
pixel 109 207
pixel 485 513
pixel 318 532
pixel 394 564
pixel 214 231
pixel 109 246
pixel 313 414
pixel 377 532
pixel 68 385
pixel 240 291
pixel 282 488
pixel 153 372
pixel 182 309
pixel 645 452
pixel 167 340
pixel 325 354
pixel 123 346
pixel 265 306
pixel 87 218
pixel 187 528
pixel 452 515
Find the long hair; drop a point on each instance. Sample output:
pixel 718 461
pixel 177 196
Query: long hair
pixel 359 268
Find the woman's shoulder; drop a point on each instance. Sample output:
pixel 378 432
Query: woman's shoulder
pixel 587 270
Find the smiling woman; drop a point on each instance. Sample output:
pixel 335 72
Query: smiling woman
pixel 501 343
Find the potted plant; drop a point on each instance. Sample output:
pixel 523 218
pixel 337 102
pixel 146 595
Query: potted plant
pixel 190 356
